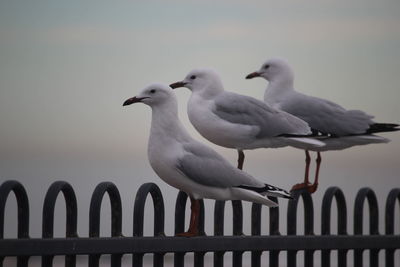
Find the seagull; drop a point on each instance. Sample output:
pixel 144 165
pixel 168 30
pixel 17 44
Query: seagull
pixel 237 121
pixel 190 166
pixel 346 128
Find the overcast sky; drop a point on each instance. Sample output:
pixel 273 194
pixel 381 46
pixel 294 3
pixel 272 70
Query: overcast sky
pixel 67 66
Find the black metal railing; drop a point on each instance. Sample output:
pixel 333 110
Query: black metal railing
pixel 23 247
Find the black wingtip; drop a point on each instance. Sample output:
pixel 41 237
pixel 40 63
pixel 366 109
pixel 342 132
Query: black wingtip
pixel 273 190
pixel 383 127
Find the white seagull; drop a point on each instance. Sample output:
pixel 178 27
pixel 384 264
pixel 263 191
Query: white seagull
pixel 191 166
pixel 346 128
pixel 237 121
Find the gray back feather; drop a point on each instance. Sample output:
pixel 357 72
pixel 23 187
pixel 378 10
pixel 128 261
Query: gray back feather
pixel 240 109
pixel 326 116
pixel 204 166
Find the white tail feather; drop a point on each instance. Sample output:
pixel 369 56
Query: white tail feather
pixel 248 195
pixel 304 142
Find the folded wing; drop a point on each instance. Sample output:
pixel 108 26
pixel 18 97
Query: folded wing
pixel 240 109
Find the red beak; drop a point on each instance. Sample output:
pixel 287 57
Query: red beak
pixel 253 75
pixel 177 85
pixel 133 100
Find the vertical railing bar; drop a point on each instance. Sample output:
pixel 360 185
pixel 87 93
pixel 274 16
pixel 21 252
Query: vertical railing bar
pixel 374 227
pixel 342 225
pixel 138 220
pixel 116 220
pixel 292 226
pixel 274 230
pixel 256 231
pixel 237 256
pixel 158 260
pixel 72 221
pixel 308 226
pixel 94 221
pixel 394 195
pixel 180 206
pixel 358 225
pixel 199 256
pixel 219 219
pixel 199 259
pixel 159 221
pixel 22 217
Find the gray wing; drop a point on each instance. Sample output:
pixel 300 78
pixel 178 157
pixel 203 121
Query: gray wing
pixel 205 166
pixel 326 116
pixel 240 109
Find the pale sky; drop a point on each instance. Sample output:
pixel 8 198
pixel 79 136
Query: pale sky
pixel 67 66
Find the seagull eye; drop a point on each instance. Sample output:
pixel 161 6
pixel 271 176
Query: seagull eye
pixel 193 77
pixel 266 66
pixel 152 91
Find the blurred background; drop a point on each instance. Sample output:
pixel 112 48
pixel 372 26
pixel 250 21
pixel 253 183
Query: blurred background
pixel 67 66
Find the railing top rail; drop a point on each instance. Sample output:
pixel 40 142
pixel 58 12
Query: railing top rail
pixel 112 245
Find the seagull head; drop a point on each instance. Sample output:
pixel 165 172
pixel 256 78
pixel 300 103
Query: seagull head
pixel 200 80
pixel 273 69
pixel 153 95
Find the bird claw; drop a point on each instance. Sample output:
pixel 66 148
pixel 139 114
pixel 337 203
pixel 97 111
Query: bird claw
pixel 311 188
pixel 188 234
pixel 300 186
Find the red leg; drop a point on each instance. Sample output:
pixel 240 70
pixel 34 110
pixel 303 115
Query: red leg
pixel 306 182
pixel 194 219
pixel 240 159
pixel 314 186
pixel 307 170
